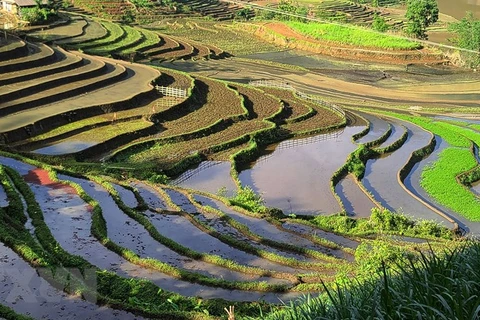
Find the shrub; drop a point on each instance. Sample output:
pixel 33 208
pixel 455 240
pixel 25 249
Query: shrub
pixel 247 198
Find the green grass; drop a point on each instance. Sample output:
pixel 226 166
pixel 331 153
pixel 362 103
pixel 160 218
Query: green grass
pixel 116 33
pixel 150 38
pixel 355 36
pixel 436 286
pixel 440 178
pixel 132 36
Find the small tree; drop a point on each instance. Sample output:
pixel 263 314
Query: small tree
pixel 421 14
pixel 467 36
pixel 467 32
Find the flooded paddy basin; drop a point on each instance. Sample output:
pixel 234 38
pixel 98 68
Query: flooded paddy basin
pixel 381 178
pixel 413 183
pixel 130 234
pixel 378 127
pixel 210 176
pixel 3 197
pixel 267 230
pixel 182 231
pixel 65 147
pixel 295 177
pixel 355 201
pixel 184 203
pixel 151 197
pixel 126 195
pixel 26 292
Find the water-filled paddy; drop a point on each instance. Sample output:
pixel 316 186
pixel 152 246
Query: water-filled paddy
pixel 65 147
pixel 295 177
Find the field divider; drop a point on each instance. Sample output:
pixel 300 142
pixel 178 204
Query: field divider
pixel 268 217
pixel 187 275
pixel 416 157
pixel 242 228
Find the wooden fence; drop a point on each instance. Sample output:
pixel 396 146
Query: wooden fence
pixel 172 92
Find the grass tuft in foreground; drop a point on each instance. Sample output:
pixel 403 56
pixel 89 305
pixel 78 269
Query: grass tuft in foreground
pixel 434 286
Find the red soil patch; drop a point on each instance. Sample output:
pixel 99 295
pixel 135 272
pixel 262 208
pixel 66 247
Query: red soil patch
pixel 40 177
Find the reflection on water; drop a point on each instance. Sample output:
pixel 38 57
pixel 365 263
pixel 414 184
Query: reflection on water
pixel 476 188
pixel 65 147
pixel 208 176
pixel 296 176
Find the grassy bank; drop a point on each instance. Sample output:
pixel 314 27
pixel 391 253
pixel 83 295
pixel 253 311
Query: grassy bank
pixel 436 286
pixel 354 36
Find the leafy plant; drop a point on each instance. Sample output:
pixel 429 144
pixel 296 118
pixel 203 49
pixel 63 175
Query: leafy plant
pixel 248 199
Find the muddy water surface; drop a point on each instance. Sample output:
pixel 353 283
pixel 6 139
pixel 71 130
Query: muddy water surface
pixel 80 241
pixel 296 176
pixel 397 131
pixel 354 199
pixel 126 195
pixel 226 228
pixel 378 127
pixel 151 197
pixel 3 197
pixel 65 147
pixel 23 290
pixel 208 176
pixel 130 234
pixel 182 231
pixel 476 188
pixel 267 230
pixel 381 178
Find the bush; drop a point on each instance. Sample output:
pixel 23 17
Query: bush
pixel 247 198
pixel 379 24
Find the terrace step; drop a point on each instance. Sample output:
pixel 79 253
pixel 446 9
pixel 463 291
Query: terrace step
pixel 89 69
pixel 74 29
pixel 133 37
pixel 267 230
pixel 39 55
pixel 12 48
pixel 64 61
pixel 223 227
pixel 111 73
pixel 93 31
pixel 115 34
pixel 135 84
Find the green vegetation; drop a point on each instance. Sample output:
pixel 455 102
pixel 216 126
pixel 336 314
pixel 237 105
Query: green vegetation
pixel 467 36
pixel 382 221
pixel 420 15
pixel 440 178
pixel 436 286
pixel 379 24
pixel 246 198
pixel 348 35
pixel 41 13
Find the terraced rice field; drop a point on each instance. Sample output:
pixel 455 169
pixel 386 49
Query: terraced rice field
pixel 279 205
